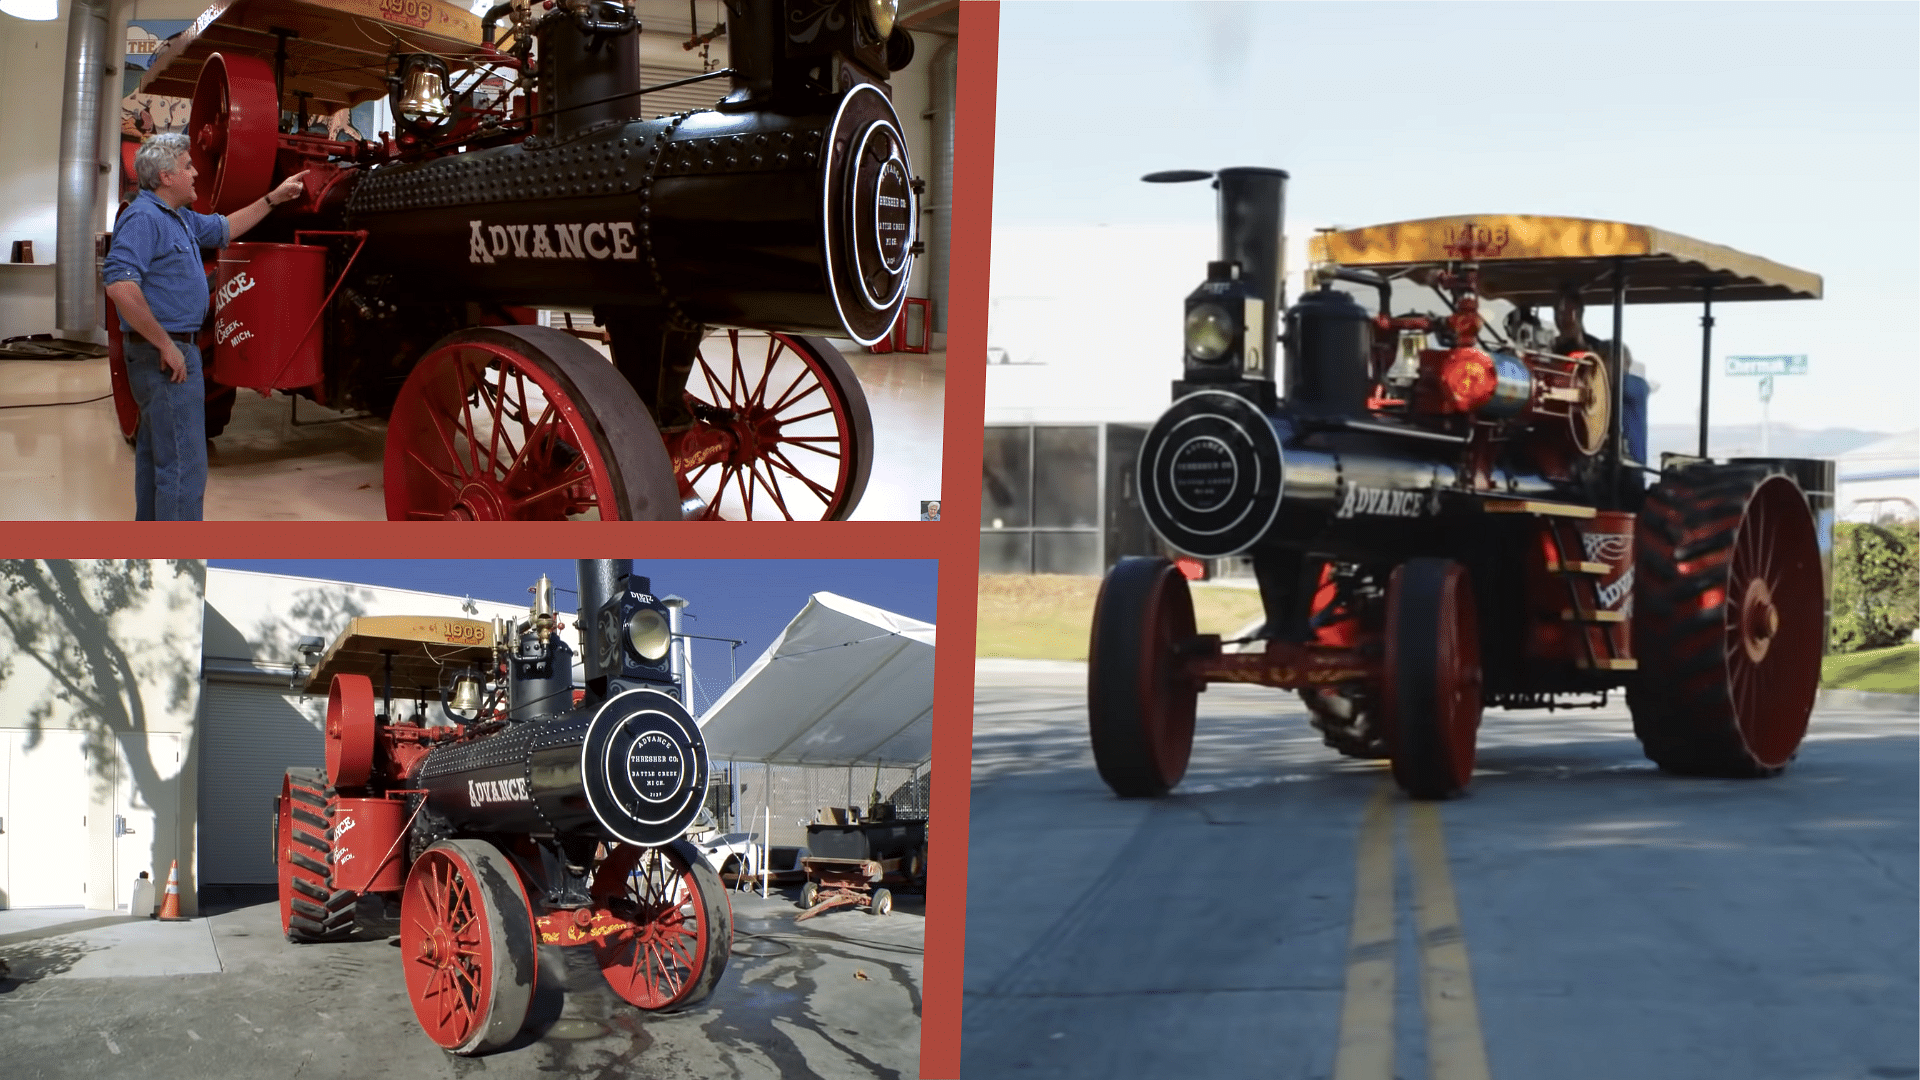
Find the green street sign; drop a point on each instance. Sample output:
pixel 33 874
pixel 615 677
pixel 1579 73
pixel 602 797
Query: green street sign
pixel 1766 365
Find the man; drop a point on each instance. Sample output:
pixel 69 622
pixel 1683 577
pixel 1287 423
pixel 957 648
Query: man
pixel 1569 318
pixel 155 278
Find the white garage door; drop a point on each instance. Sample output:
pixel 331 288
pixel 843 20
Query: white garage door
pixel 250 736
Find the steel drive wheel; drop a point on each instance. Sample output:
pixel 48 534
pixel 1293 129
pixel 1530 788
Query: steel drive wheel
pixel 1728 622
pixel 311 909
pixel 466 937
pixel 1430 699
pixel 679 925
pixel 1140 706
pixel 782 430
pixel 523 423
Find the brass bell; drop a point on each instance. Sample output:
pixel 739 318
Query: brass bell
pixel 426 96
pixel 465 699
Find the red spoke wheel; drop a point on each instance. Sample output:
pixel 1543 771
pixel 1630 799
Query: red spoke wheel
pixel 783 432
pixel 680 925
pixel 233 129
pixel 466 937
pixel 516 423
pixel 1430 696
pixel 1140 705
pixel 1728 622
pixel 311 909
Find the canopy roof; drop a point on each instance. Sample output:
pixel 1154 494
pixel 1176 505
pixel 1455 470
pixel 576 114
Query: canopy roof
pixel 1528 259
pixel 422 647
pixel 844 684
pixel 338 50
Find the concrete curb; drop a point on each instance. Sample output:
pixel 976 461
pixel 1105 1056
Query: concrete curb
pixel 1868 701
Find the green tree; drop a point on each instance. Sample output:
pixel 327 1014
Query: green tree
pixel 1876 585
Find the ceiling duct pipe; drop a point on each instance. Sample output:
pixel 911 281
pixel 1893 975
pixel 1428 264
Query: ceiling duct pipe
pixel 942 83
pixel 77 205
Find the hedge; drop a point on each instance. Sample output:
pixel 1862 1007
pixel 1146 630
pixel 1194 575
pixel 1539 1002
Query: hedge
pixel 1876 585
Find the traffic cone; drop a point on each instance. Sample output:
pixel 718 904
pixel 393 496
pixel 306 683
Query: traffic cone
pixel 170 907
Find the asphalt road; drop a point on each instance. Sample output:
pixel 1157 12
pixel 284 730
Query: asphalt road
pixel 1577 916
pixel 835 996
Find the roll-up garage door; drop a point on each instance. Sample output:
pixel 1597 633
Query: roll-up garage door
pixel 250 736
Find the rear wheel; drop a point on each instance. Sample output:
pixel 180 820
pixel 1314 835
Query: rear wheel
pixel 1140 706
pixel 1728 623
pixel 311 909
pixel 466 934
pixel 1431 690
pixel 516 423
pixel 882 902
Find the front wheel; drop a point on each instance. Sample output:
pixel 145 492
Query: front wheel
pixel 782 430
pixel 678 926
pixel 1140 704
pixel 1431 694
pixel 520 423
pixel 466 937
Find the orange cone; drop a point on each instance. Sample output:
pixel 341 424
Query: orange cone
pixel 170 907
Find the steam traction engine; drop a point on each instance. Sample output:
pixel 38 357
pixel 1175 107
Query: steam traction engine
pixel 521 176
pixel 1443 513
pixel 505 813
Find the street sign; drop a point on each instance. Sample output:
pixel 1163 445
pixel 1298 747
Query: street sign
pixel 1766 365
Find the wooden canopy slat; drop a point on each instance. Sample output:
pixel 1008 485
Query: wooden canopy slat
pixel 331 34
pixel 423 647
pixel 1529 259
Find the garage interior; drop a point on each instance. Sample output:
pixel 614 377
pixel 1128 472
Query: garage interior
pixel 284 458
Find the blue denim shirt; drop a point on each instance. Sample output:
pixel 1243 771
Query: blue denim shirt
pixel 158 248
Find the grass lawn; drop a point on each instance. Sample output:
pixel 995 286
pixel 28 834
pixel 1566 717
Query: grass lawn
pixel 1050 616
pixel 1894 670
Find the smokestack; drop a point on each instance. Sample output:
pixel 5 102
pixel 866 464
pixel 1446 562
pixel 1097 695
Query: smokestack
pixel 1252 207
pixel 600 580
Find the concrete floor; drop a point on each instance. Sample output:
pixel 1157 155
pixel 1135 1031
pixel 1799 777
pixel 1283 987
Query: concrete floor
pixel 96 995
pixel 69 462
pixel 1612 921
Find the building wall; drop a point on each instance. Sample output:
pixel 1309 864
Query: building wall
pixel 102 655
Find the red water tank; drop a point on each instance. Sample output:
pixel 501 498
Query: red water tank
pixel 265 301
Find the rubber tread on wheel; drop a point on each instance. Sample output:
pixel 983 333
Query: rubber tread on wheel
pixel 311 909
pixel 1702 706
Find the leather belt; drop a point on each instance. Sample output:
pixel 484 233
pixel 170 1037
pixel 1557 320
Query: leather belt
pixel 183 338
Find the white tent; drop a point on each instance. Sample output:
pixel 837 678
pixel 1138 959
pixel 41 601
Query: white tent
pixel 844 684
pixel 1880 479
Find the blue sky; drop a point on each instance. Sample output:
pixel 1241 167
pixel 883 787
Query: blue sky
pixel 1790 131
pixel 752 599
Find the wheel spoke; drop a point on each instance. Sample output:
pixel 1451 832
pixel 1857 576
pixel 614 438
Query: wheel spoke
pixel 776 459
pixel 773 490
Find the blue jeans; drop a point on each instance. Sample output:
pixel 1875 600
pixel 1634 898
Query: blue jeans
pixel 170 452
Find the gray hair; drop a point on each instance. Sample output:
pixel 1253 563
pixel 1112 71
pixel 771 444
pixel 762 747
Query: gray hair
pixel 157 153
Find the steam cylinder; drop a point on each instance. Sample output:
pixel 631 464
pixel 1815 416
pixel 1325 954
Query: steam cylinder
pixel 632 768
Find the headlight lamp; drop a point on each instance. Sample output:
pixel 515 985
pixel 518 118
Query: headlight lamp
pixel 647 632
pixel 1210 332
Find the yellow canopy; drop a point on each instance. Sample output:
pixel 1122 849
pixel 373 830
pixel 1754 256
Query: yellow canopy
pixel 1528 259
pixel 423 646
pixel 338 52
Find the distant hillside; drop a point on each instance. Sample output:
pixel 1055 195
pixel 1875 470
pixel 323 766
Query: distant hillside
pixel 1743 440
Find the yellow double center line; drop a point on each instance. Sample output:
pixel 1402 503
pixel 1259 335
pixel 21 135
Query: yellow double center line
pixel 1456 1050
